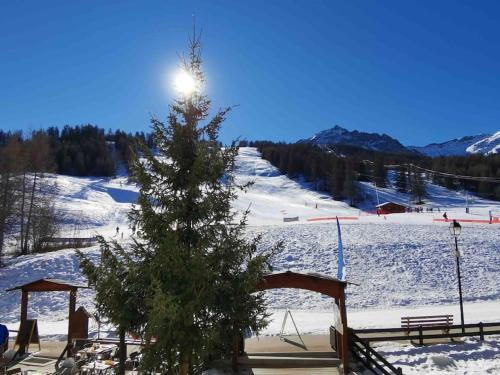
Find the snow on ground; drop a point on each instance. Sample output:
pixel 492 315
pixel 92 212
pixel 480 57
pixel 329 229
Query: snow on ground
pixel 471 357
pixel 395 264
pixel 274 196
pixel 403 263
pixel 438 197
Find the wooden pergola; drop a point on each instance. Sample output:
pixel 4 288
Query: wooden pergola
pixel 48 285
pixel 326 285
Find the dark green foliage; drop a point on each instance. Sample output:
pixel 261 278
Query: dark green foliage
pixel 85 150
pixel 417 185
pixel 203 272
pixel 379 172
pixel 471 165
pixel 120 290
pixel 323 168
pixel 349 190
pixel 327 168
pixel 402 180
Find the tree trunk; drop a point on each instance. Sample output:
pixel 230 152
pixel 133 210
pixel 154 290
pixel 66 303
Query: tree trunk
pixel 184 368
pixel 30 212
pixel 23 196
pixel 4 210
pixel 122 351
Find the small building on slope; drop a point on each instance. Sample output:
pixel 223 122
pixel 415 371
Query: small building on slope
pixel 390 208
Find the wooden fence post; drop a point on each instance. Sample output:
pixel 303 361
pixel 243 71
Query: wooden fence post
pixel 481 333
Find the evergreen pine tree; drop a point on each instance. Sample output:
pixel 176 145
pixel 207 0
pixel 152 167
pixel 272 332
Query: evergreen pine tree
pixel 203 272
pixel 401 180
pixel 379 172
pixel 120 290
pixel 336 178
pixel 418 190
pixel 349 191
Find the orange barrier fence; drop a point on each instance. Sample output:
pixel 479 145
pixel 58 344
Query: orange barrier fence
pixel 333 218
pixel 495 220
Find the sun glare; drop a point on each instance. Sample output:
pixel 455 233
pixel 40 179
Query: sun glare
pixel 184 83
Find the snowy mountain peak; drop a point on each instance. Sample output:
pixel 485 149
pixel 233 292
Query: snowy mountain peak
pixel 486 146
pixel 370 141
pixel 461 146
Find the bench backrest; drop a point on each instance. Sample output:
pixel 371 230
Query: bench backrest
pixel 426 321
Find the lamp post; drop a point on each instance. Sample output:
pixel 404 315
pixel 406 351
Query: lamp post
pixel 455 229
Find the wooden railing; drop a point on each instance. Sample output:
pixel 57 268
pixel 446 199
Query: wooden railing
pixel 421 333
pixel 369 358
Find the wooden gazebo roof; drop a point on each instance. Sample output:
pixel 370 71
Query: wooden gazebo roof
pixel 315 282
pixel 49 285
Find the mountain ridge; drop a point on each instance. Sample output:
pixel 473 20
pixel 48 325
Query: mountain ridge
pixel 485 143
pixel 369 141
pixel 453 147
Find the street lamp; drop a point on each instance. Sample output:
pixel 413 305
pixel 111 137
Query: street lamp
pixel 455 229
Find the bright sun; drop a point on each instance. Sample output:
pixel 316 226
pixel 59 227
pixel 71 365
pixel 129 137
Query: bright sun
pixel 184 83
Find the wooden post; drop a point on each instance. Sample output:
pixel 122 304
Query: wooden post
pixel 481 332
pixel 122 351
pixel 72 305
pixel 345 333
pixel 24 316
pixel 235 354
pixel 24 307
pixel 420 335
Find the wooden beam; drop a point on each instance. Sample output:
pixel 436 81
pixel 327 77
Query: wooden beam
pixel 24 307
pixel 24 317
pixel 345 334
pixel 323 285
pixel 72 306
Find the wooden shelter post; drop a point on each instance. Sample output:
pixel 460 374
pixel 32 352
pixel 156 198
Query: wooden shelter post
pixel 24 307
pixel 46 285
pixel 345 333
pixel 322 284
pixel 72 306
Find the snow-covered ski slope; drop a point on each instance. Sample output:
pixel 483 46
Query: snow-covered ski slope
pixel 438 197
pixel 94 205
pixel 400 261
pixel 274 197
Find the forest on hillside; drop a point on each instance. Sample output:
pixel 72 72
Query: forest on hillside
pixel 81 150
pixel 337 168
pixel 28 211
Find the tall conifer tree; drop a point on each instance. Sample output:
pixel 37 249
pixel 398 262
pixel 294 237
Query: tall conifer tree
pixel 202 271
pixel 401 180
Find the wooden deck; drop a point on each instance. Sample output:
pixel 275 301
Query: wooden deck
pixel 266 355
pixel 272 355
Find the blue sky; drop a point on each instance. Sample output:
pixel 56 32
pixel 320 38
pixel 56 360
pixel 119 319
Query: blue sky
pixel 421 71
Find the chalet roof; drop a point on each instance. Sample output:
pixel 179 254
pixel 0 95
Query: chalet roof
pixel 48 285
pixel 386 203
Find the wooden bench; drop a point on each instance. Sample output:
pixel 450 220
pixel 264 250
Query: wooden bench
pixel 410 322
